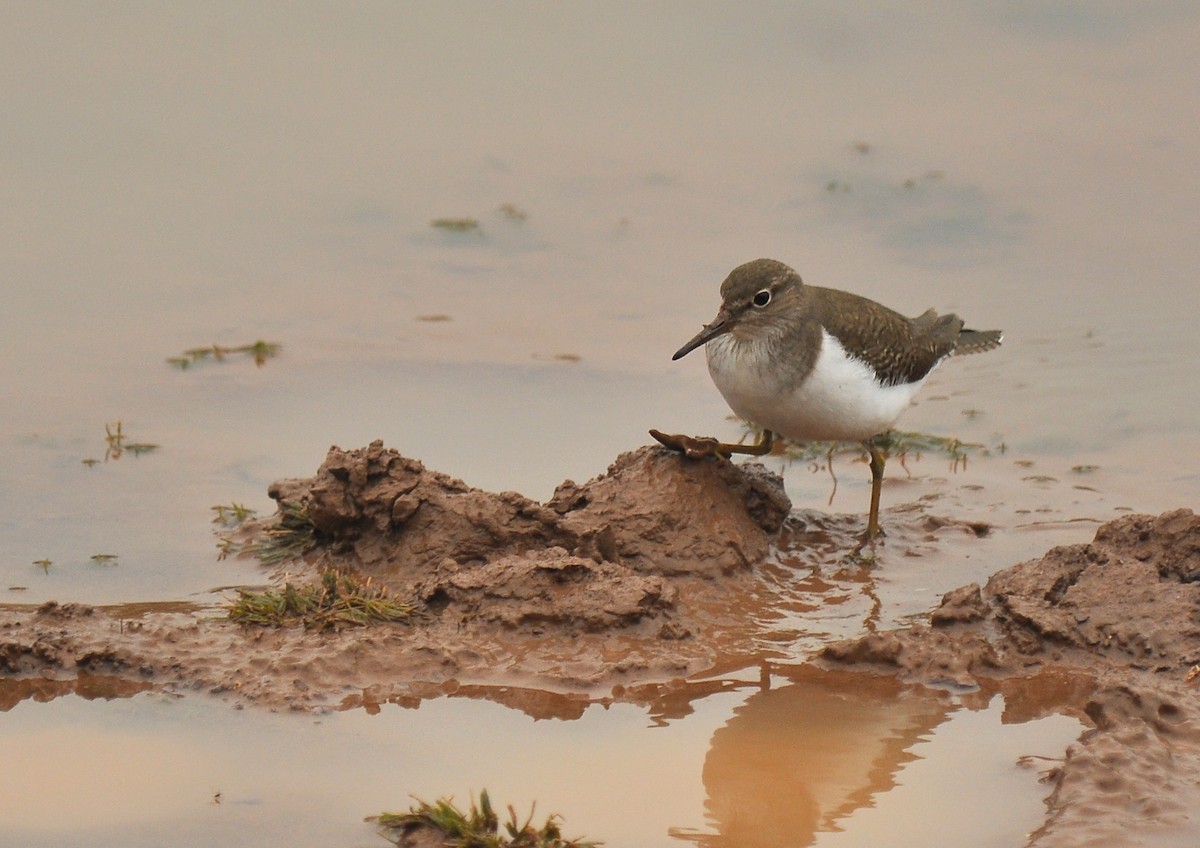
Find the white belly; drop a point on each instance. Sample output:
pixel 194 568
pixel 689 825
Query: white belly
pixel 841 399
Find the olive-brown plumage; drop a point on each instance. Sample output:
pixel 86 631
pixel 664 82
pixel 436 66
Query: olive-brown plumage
pixel 812 363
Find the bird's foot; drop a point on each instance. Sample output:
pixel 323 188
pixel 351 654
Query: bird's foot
pixel 863 551
pixel 696 447
pixel 693 447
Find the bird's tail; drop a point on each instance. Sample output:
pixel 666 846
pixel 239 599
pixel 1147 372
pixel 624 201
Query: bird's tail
pixel 977 341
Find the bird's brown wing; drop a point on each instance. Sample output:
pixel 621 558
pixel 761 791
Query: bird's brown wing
pixel 900 349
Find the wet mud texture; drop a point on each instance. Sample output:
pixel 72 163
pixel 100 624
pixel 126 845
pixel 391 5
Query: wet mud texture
pixel 644 574
pixel 1120 618
pixel 622 587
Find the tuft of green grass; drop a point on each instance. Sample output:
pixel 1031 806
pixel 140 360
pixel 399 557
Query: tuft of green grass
pixel 291 537
pixel 118 445
pixel 260 351
pixel 479 828
pixel 339 600
pixel 231 514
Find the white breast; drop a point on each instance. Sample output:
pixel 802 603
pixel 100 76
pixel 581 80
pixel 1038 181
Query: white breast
pixel 840 400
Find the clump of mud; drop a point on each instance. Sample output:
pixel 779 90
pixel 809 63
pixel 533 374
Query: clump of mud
pixel 650 513
pixel 594 557
pixel 632 577
pixel 1121 613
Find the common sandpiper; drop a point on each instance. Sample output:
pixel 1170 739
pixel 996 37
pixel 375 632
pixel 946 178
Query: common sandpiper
pixel 817 364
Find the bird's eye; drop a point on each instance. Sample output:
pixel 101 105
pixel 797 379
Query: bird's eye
pixel 762 298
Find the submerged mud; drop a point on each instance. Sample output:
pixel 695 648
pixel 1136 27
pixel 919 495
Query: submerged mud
pixel 1120 619
pixel 649 582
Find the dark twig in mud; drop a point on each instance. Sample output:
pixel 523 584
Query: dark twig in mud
pixel 338 600
pixel 480 828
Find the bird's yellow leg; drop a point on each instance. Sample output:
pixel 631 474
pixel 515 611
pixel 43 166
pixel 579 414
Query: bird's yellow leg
pixel 877 461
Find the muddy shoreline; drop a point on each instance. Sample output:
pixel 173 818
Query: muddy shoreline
pixel 627 586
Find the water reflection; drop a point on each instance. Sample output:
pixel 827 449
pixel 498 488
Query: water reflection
pixel 796 760
pixel 90 687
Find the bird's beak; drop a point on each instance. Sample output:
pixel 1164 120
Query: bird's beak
pixel 719 325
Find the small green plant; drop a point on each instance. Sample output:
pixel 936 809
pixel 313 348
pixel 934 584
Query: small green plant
pixel 117 444
pixel 895 443
pixel 44 564
pixel 290 537
pixel 339 600
pixel 260 351
pixel 232 514
pixel 513 212
pixel 898 444
pixel 480 828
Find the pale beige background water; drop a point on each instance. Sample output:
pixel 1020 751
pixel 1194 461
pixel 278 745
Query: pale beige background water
pixel 179 175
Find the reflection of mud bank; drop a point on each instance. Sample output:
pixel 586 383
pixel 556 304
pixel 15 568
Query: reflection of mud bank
pixel 1120 619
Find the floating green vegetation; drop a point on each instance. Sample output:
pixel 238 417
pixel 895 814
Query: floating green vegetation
pixel 455 225
pixel 290 537
pixel 1085 469
pixel 512 212
pixel 104 559
pixel 118 444
pixel 480 828
pixel 899 444
pixel 232 514
pixel 44 564
pixel 339 600
pixel 260 351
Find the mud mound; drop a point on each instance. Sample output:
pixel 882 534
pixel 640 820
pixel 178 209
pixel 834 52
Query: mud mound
pixel 1123 611
pixel 636 576
pixel 1127 600
pixel 391 518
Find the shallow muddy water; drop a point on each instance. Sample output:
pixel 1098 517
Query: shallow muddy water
pixel 176 178
pixel 872 758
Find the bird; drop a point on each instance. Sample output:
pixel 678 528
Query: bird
pixel 817 364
